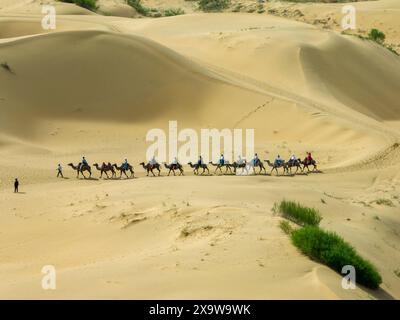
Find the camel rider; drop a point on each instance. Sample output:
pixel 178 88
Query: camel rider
pixel 200 162
pixel 222 160
pixel 256 159
pixel 278 160
pixel 175 161
pixel 239 160
pixel 293 159
pixel 84 162
pixel 153 161
pixel 309 157
pixel 125 165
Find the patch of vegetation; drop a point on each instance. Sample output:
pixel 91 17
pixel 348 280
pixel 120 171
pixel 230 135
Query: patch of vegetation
pixel 87 4
pixel 173 12
pixel 377 218
pixel 323 201
pixel 330 249
pixel 384 202
pixel 213 5
pixel 397 272
pixel 137 5
pixel 286 227
pixel 297 213
pixel 377 36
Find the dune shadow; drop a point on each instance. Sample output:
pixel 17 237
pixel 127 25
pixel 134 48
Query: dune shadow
pixel 380 294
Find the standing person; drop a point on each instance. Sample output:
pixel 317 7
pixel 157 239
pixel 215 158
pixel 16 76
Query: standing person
pixel 59 171
pixel 16 185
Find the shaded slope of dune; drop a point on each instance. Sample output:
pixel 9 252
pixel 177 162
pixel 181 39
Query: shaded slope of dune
pixel 323 66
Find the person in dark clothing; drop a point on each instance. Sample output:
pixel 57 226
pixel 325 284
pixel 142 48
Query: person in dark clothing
pixel 16 185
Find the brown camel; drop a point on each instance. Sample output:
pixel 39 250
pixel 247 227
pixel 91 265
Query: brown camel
pixel 150 167
pixel 197 166
pixel 275 167
pixel 260 165
pixel 220 166
pixel 80 169
pixel 123 170
pixel 173 167
pixel 290 164
pixel 236 165
pixel 306 163
pixel 104 169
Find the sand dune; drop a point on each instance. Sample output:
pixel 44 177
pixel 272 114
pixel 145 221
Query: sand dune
pixel 97 84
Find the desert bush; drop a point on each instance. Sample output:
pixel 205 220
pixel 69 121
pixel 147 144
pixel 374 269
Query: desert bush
pixel 286 227
pixel 173 12
pixel 213 5
pixel 377 36
pixel 299 214
pixel 330 249
pixel 137 5
pixel 87 4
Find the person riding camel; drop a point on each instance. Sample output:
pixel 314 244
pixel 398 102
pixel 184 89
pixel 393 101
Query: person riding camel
pixel 240 160
pixel 175 161
pixel 278 161
pixel 125 165
pixel 256 159
pixel 153 161
pixel 84 162
pixel 200 161
pixel 293 159
pixel 309 158
pixel 222 160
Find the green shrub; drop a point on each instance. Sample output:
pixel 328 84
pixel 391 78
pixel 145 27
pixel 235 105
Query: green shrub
pixel 213 5
pixel 137 5
pixel 297 213
pixel 173 12
pixel 330 249
pixel 286 227
pixel 87 4
pixel 377 36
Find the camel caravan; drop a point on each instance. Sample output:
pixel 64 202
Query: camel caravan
pixel 239 167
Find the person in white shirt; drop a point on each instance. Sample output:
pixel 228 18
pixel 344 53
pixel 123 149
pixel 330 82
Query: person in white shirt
pixel 59 171
pixel 222 160
pixel 153 161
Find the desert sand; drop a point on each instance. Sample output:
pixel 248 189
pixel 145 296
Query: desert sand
pixel 98 83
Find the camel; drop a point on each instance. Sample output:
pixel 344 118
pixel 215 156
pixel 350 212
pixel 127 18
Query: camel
pixel 275 167
pixel 219 166
pixel 296 164
pixel 104 169
pixel 307 163
pixel 122 170
pixel 236 165
pixel 197 166
pixel 174 166
pixel 150 167
pixel 260 165
pixel 80 169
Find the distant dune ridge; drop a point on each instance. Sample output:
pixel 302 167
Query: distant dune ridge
pixel 98 83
